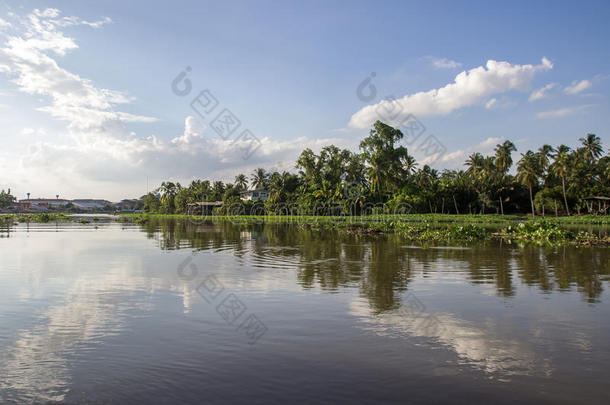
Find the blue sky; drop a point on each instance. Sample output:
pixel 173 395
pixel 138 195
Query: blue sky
pixel 87 109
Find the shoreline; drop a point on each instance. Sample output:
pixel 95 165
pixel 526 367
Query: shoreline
pixel 414 227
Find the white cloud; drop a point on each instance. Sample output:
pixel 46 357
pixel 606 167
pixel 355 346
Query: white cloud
pixel 100 153
pixel 541 93
pixel 28 131
pixel 68 21
pixel 499 103
pixel 4 23
pixel 577 86
pixel 456 159
pixel 562 112
pixel 477 346
pixel 74 99
pixel 196 153
pixel 469 88
pixel 46 13
pixel 444 63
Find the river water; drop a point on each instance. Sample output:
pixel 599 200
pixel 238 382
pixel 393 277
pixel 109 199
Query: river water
pixel 177 312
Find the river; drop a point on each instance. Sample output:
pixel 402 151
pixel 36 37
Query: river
pixel 179 312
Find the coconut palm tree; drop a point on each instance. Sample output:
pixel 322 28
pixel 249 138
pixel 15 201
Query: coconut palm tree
pixel 503 162
pixel 279 185
pixel 592 147
pixel 527 173
pixel 168 191
pixel 474 163
pixel 410 164
pixel 504 159
pixel 241 181
pixel 260 178
pixel 544 154
pixel 561 168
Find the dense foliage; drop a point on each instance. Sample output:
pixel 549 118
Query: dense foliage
pixel 6 199
pixel 385 178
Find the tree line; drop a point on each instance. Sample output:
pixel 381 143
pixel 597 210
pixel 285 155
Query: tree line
pixel 383 175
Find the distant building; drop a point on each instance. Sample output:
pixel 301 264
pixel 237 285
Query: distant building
pixel 128 205
pixel 90 205
pixel 42 204
pixel 253 195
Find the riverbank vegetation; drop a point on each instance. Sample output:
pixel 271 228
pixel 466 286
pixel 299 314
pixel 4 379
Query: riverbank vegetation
pixel 429 228
pixel 35 218
pixel 382 189
pixel 433 228
pixel 384 178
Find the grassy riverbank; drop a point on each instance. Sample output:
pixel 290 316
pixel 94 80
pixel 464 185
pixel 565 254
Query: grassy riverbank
pixel 35 218
pixel 416 227
pixel 483 219
pixel 428 227
pixel 490 219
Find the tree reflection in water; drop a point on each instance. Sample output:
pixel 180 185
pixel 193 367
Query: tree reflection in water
pixel 381 267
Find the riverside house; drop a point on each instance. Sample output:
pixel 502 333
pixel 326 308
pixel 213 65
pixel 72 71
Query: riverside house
pixel 253 195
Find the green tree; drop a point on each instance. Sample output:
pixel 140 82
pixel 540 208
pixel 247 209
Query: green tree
pixel 6 199
pixel 561 168
pixel 592 147
pixel 241 182
pixel 504 158
pixel 528 172
pixel 385 160
pixel 168 191
pixel 151 204
pixel 260 178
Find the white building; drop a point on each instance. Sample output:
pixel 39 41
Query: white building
pixel 88 205
pixel 42 204
pixel 253 195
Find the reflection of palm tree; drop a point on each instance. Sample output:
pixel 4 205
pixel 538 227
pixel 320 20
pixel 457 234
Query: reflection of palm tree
pixel 382 269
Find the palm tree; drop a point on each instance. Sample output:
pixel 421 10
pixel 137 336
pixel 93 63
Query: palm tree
pixel 241 181
pixel 375 172
pixel 504 159
pixel 544 154
pixel 561 168
pixel 527 173
pixel 592 147
pixel 167 188
pixel 278 185
pixel 410 164
pixel 260 177
pixel 503 162
pixel 168 191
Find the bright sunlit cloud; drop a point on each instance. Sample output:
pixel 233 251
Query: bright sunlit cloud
pixel 468 88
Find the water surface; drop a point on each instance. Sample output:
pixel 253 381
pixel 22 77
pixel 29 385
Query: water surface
pixel 179 312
